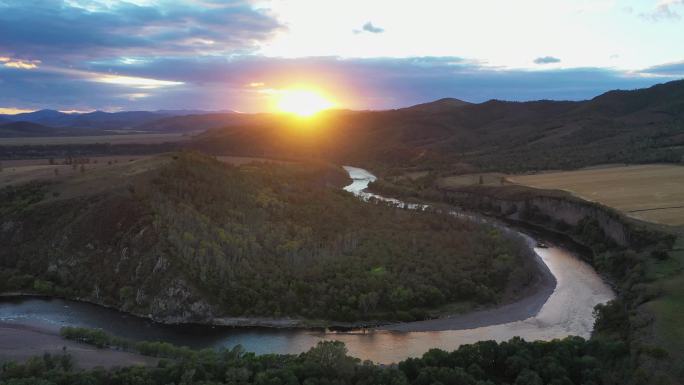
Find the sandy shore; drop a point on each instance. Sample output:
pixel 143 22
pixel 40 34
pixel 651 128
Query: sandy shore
pixel 19 342
pixel 528 306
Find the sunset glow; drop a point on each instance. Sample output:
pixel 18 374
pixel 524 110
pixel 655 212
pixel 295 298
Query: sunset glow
pixel 302 102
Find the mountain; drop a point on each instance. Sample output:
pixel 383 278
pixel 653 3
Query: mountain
pixel 38 115
pixel 125 120
pixel 96 120
pixel 162 120
pixel 645 125
pixel 439 105
pixel 93 120
pixel 194 122
pixel 193 112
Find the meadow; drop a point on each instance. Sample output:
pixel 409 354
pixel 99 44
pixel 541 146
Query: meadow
pixel 653 193
pixel 154 138
pixel 15 172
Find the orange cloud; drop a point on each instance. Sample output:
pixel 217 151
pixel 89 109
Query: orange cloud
pixel 19 63
pixel 11 110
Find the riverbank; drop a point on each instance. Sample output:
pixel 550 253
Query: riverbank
pixel 528 306
pixel 19 342
pixel 559 304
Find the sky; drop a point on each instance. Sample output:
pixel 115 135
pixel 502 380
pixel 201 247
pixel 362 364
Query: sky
pixel 84 55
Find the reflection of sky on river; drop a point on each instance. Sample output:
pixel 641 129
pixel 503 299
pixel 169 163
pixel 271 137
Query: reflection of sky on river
pixel 568 311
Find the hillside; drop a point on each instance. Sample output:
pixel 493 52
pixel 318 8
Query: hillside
pixel 28 129
pixel 620 126
pixel 438 106
pixel 639 126
pixel 15 129
pixel 99 120
pixel 186 238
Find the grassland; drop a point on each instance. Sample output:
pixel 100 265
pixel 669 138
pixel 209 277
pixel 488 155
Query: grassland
pixel 653 193
pixel 111 139
pixel 15 172
pixel 487 179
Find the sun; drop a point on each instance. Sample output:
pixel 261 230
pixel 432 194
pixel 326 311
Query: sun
pixel 303 102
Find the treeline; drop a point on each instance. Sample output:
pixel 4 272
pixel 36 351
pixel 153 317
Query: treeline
pixel 200 238
pixel 100 339
pixel 564 362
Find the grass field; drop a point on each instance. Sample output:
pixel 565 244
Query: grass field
pixel 15 172
pixel 487 179
pixel 653 193
pixel 112 139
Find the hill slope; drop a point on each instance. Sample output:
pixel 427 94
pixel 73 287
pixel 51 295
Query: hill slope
pixel 620 126
pixel 99 120
pixel 187 238
pixel 28 129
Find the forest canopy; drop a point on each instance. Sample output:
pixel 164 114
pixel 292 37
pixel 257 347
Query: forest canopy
pixel 261 239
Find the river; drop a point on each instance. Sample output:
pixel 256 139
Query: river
pixel 568 310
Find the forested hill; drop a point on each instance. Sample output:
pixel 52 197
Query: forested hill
pixel 644 125
pixel 184 237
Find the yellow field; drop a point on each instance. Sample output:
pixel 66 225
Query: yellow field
pixel 653 193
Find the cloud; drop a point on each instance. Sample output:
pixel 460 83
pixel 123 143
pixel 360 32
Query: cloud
pixel 675 69
pixel 546 60
pixel 217 83
pixel 73 30
pixel 19 63
pixel 664 10
pixel 369 27
pixel 132 81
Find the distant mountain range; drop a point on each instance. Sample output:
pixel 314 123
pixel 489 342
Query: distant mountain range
pixel 56 123
pixel 645 125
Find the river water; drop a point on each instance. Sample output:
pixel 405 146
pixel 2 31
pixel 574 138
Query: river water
pixel 567 311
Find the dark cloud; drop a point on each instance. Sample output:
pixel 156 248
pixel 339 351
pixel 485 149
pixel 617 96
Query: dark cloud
pixel 669 69
pixel 378 83
pixel 369 27
pixel 546 60
pixel 59 31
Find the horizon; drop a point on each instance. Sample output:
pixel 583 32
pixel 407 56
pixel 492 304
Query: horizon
pixel 147 55
pixel 8 112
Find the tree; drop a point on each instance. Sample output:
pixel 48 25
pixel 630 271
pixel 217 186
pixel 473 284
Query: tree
pixel 528 377
pixel 330 357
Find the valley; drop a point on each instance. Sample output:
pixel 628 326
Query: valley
pixel 247 225
pixel 561 306
pixel 283 192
